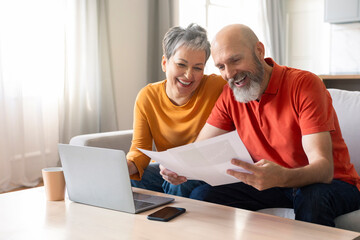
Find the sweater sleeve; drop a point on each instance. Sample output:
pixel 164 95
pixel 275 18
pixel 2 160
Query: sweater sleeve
pixel 142 137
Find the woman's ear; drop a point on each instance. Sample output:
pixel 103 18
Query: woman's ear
pixel 163 63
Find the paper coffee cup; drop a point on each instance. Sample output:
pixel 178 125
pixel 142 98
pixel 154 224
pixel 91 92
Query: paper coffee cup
pixel 54 183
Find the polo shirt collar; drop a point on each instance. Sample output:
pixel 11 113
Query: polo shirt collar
pixel 276 77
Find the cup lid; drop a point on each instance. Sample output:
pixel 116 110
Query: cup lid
pixel 52 169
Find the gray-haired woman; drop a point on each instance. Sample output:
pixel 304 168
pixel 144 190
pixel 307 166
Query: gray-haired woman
pixel 172 112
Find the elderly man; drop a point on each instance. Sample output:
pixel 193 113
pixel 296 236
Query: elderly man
pixel 287 122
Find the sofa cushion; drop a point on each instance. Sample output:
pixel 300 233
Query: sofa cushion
pixel 280 212
pixel 349 221
pixel 347 107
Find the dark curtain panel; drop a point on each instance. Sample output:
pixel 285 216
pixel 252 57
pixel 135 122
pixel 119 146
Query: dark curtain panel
pixel 160 20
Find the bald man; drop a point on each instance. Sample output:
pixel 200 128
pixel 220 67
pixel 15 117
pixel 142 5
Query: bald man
pixel 287 122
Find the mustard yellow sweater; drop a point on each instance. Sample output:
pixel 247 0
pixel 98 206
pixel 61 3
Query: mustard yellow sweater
pixel 157 119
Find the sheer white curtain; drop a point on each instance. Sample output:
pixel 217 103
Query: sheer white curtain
pixel 87 104
pixel 31 72
pixel 274 13
pixel 55 82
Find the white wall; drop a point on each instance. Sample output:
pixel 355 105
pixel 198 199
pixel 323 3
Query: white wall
pixel 345 48
pixel 128 32
pixel 308 37
pixel 317 46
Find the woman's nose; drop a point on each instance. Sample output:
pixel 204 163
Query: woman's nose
pixel 189 73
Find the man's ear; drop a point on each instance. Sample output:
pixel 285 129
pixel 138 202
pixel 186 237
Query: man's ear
pixel 163 63
pixel 260 50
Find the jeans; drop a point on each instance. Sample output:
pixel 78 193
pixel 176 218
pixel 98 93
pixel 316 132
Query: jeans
pixel 152 180
pixel 316 203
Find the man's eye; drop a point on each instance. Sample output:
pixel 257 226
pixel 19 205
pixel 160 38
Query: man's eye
pixel 221 68
pixel 181 65
pixel 198 68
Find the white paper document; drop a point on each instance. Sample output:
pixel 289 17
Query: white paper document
pixel 206 160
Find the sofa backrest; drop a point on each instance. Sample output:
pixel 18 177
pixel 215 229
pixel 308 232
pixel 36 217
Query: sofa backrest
pixel 347 107
pixel 115 140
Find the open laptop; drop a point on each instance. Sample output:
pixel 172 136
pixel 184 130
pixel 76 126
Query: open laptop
pixel 100 177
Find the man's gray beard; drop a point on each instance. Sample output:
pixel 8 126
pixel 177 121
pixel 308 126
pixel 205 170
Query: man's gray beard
pixel 246 93
pixel 253 90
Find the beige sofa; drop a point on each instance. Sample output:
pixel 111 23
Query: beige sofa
pixel 347 106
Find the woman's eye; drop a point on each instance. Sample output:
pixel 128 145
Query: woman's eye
pixel 198 68
pixel 181 65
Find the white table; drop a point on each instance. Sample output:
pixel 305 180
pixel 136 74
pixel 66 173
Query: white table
pixel 27 215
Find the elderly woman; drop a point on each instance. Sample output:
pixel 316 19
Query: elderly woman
pixel 172 112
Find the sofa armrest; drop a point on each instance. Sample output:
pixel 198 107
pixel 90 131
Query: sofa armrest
pixel 115 140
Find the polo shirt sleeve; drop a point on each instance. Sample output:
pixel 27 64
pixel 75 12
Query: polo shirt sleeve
pixel 220 116
pixel 314 104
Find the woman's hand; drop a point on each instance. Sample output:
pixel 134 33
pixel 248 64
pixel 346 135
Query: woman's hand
pixel 171 176
pixel 132 168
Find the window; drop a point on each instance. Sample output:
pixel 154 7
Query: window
pixel 215 14
pixel 31 75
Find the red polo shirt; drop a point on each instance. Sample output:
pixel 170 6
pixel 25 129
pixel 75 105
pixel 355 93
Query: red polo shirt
pixel 295 103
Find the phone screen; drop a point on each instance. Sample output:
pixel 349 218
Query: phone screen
pixel 167 213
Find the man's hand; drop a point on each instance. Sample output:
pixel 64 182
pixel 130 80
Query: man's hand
pixel 171 176
pixel 264 174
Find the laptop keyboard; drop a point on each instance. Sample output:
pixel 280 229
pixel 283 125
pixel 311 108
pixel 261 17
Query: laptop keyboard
pixel 143 197
pixel 141 204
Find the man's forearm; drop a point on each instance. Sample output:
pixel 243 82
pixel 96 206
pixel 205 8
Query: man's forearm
pixel 209 131
pixel 319 172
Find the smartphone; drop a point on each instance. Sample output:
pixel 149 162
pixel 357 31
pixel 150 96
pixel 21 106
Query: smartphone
pixel 166 214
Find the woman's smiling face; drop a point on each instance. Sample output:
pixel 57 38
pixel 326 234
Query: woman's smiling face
pixel 184 71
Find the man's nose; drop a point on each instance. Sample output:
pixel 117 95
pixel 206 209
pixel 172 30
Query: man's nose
pixel 229 73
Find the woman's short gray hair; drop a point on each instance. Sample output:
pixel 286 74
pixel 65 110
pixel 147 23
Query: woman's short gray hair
pixel 193 36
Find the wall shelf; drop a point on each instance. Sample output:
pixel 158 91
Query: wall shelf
pixel 350 81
